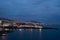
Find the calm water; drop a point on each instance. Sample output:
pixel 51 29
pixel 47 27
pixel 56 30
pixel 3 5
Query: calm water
pixel 34 34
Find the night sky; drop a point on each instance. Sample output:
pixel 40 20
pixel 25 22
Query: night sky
pixel 27 10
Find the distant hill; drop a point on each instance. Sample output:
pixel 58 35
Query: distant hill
pixel 5 19
pixel 35 21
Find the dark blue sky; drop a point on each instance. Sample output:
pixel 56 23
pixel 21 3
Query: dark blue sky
pixel 26 10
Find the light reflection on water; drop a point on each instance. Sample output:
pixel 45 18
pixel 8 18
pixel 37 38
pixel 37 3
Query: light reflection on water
pixel 32 34
pixel 3 37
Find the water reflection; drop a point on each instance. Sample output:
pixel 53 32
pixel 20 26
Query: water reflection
pixel 3 34
pixel 32 34
pixel 30 30
pixel 40 29
pixel 26 34
pixel 20 29
pixel 40 34
pixel 3 37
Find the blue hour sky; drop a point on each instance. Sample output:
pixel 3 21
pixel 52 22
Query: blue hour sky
pixel 26 10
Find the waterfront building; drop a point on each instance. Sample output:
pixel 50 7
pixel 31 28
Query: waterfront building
pixel 5 22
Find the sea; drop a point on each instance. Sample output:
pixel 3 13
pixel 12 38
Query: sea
pixel 31 34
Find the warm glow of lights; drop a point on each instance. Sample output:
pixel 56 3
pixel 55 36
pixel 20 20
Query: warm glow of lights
pixel 3 37
pixel 31 30
pixel 20 29
pixel 40 28
pixel 3 34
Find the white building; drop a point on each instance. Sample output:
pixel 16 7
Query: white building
pixel 6 24
pixel 0 21
pixel 25 26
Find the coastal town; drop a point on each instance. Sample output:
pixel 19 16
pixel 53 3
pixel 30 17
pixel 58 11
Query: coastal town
pixel 11 24
pixel 7 24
